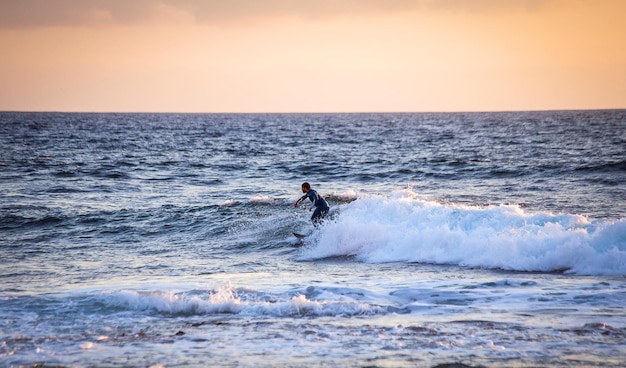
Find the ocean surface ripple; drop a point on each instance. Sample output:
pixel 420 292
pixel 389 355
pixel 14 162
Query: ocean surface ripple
pixel 483 239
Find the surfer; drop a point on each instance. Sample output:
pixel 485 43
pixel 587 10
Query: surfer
pixel 317 201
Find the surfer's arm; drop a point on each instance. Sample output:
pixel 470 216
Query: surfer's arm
pixel 300 200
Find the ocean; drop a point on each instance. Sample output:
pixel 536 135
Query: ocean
pixel 453 239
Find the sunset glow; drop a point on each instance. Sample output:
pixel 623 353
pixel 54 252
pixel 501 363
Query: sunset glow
pixel 295 56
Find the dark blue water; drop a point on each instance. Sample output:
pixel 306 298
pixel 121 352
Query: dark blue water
pixel 165 239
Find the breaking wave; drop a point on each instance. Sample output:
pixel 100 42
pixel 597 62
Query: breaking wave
pixel 405 227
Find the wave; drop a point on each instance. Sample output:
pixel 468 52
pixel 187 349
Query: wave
pixel 604 168
pixel 405 227
pixel 245 302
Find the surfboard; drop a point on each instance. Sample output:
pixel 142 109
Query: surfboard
pixel 299 236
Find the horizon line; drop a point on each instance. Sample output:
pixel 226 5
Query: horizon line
pixel 307 112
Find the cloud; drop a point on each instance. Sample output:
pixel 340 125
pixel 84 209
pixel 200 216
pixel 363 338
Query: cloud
pixel 50 13
pixel 46 13
pixel 483 6
pixel 43 13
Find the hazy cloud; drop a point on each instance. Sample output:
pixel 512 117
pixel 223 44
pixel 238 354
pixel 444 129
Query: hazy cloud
pixel 44 13
pixel 482 6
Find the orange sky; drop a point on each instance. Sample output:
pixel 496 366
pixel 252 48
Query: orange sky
pixel 312 56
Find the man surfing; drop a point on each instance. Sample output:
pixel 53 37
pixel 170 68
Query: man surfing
pixel 317 201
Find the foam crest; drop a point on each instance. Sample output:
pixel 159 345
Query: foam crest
pixel 228 300
pixel 264 200
pixel 406 228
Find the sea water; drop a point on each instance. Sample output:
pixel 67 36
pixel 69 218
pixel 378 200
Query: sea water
pixel 478 239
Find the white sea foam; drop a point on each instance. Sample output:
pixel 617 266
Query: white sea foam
pixel 348 194
pixel 263 199
pixel 406 228
pixel 228 300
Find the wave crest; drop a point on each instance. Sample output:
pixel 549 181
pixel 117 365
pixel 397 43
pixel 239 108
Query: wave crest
pixel 406 228
pixel 228 300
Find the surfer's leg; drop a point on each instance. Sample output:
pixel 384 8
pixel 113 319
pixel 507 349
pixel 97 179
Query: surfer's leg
pixel 318 216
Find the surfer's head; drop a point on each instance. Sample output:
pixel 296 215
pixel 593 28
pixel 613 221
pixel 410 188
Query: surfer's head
pixel 306 187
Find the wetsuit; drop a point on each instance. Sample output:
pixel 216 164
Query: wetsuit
pixel 320 204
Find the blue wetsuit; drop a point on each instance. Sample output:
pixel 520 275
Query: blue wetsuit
pixel 320 204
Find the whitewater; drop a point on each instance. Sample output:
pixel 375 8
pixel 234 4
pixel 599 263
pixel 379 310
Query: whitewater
pixel 162 240
pixel 406 228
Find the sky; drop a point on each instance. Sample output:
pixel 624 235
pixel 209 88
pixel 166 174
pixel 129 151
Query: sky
pixel 311 56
